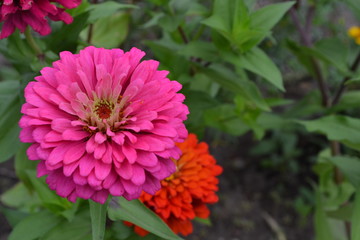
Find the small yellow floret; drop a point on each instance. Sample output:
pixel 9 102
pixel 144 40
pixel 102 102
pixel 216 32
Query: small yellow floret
pixel 354 32
pixel 357 40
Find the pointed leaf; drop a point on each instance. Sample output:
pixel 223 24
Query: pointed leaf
pixel 236 84
pixel 259 63
pixel 10 113
pixel 267 17
pixel 106 9
pixel 77 229
pixel 135 212
pixel 336 127
pixel 350 167
pixel 221 17
pixel 34 226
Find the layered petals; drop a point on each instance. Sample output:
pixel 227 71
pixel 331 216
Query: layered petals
pixel 97 123
pixel 33 13
pixel 185 194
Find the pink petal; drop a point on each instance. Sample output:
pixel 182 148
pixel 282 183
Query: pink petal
pixel 100 196
pixel 87 164
pixel 84 191
pixel 138 177
pixel 117 189
pixel 70 168
pixel 102 170
pixel 41 169
pixel 125 171
pixel 130 153
pixel 32 153
pixel 74 152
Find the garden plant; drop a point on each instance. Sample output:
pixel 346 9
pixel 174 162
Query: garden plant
pixel 114 114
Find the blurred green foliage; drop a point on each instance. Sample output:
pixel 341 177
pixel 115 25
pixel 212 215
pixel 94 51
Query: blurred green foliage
pixel 286 72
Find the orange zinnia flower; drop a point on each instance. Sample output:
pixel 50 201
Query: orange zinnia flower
pixel 184 195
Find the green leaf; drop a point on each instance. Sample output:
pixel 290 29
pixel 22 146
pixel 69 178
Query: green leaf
pixel 23 164
pixel 353 80
pixel 241 17
pixel 9 92
pixel 355 220
pixel 70 213
pixel 10 114
pixel 322 227
pixel 236 84
pixel 19 52
pixel 77 229
pixel 154 21
pixel 205 221
pixel 135 212
pixel 111 31
pixel 79 9
pixel 200 49
pixel 221 17
pixel 336 195
pixel 170 23
pixel 198 102
pixel 13 216
pixel 273 121
pixel 334 51
pixel 309 105
pixel 9 139
pixel 247 39
pixel 166 51
pixel 225 118
pixel 49 198
pixel 19 197
pixel 66 39
pixel 344 213
pixel 267 17
pixel 120 230
pixel 106 9
pixel 303 55
pixel 180 7
pixel 98 219
pixel 243 36
pixel 259 63
pixel 249 114
pixel 202 82
pixel 336 127
pixel 34 226
pixel 233 20
pixel 349 100
pixel 349 166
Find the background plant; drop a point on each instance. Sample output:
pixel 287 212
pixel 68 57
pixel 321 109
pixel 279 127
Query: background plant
pixel 285 72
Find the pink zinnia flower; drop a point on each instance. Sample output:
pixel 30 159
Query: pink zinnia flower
pixel 21 13
pixel 103 123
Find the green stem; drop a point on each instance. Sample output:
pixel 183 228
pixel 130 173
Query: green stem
pixel 31 41
pixel 199 33
pixel 98 219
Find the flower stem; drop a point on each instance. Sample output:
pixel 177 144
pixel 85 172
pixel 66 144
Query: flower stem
pixel 340 91
pixel 31 41
pixel 91 27
pixel 98 219
pixel 305 38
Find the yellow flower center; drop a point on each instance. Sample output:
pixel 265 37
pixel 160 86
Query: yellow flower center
pixel 103 109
